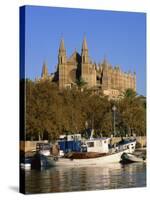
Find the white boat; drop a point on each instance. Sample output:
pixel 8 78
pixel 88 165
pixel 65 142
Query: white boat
pixel 130 158
pixel 101 146
pixel 110 158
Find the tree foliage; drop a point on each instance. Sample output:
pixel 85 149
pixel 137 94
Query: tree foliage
pixel 51 112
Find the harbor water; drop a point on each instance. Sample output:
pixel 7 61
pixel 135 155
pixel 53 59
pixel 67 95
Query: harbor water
pixel 67 179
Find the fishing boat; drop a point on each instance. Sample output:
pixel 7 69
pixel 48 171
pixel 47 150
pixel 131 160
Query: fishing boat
pixel 77 151
pixel 42 158
pixel 93 151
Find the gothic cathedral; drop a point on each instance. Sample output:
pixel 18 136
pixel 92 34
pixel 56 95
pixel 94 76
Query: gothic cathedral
pixel 80 68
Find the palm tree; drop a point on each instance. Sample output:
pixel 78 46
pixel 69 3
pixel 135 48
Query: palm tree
pixel 80 83
pixel 129 93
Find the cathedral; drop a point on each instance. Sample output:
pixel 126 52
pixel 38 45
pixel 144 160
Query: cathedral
pixel 102 77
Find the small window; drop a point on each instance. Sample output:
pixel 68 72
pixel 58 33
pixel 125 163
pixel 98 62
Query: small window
pixel 90 144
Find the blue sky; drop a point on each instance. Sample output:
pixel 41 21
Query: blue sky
pixel 121 36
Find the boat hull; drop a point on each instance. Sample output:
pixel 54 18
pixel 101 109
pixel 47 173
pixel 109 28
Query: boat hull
pixel 42 162
pixel 110 158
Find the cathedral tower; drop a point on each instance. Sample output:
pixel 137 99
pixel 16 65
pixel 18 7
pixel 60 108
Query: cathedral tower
pixel 105 75
pixel 85 61
pixel 62 65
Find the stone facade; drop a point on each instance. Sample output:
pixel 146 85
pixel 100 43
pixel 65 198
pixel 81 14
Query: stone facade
pixel 112 81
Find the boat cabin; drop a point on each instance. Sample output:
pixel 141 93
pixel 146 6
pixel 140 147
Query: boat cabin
pixel 43 148
pixel 74 143
pixel 69 143
pixel 100 145
pixel 129 144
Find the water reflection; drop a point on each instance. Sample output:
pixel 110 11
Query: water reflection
pixel 59 179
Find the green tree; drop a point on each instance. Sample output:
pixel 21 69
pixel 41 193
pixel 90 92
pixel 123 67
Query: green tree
pixel 133 113
pixel 80 83
pixel 50 112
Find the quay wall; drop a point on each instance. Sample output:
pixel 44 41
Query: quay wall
pixel 31 145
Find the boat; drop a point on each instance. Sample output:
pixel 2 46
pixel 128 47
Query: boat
pixel 131 158
pixel 102 160
pixel 42 159
pixel 93 151
pixel 77 151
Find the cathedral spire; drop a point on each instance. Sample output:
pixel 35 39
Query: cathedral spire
pixel 62 53
pixel 44 70
pixel 84 44
pixel 62 45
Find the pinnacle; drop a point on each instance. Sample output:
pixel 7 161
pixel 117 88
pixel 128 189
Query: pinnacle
pixel 84 44
pixel 62 45
pixel 44 69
